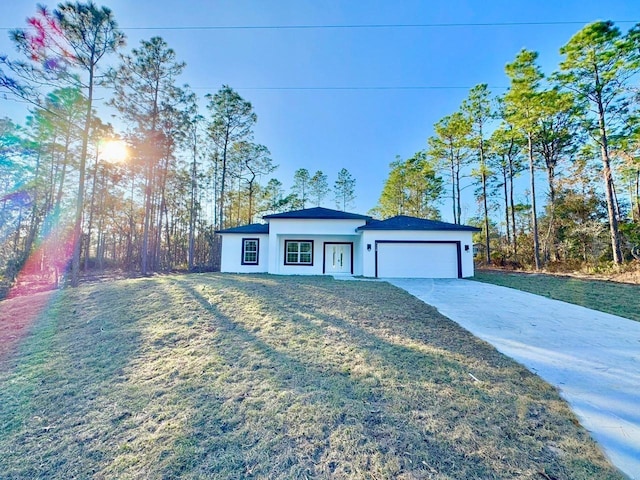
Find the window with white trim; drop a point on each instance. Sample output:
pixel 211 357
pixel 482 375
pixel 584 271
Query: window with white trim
pixel 250 247
pixel 298 252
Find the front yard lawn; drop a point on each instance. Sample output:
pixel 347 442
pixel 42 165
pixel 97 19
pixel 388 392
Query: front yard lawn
pixel 240 376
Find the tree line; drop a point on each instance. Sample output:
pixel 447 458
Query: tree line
pixel 67 197
pixel 576 129
pixel 191 171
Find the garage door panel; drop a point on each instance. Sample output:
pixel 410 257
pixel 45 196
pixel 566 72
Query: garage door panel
pixel 417 260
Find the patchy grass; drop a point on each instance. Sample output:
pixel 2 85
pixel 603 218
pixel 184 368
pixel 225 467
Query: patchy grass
pixel 18 316
pixel 223 376
pixel 621 299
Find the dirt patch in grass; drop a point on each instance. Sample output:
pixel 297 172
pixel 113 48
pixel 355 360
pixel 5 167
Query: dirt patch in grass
pixel 632 276
pixel 17 316
pixel 223 376
pixel 605 296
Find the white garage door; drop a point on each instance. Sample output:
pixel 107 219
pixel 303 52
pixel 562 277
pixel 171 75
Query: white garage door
pixel 417 260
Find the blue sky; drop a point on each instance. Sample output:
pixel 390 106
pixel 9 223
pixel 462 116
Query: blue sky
pixel 283 72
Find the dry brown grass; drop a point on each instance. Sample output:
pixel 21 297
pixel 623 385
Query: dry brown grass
pixel 18 316
pixel 223 376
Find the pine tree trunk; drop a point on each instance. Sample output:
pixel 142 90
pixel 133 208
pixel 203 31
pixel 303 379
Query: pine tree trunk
pixel 458 195
pixel 453 190
pixel 144 263
pixel 609 188
pixel 513 210
pixel 487 237
pixel 485 203
pixel 77 227
pixel 192 204
pixel 223 180
pixel 91 210
pixel 506 206
pixel 534 214
pixel 553 250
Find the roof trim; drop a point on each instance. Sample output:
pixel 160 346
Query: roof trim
pixel 255 228
pixel 405 222
pixel 319 213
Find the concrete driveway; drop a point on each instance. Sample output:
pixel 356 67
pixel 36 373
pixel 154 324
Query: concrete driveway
pixel 593 358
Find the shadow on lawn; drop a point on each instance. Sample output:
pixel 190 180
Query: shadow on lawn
pixel 403 416
pixel 248 376
pixel 345 400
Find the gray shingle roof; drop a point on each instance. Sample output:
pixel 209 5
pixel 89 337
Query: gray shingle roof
pixel 252 228
pixel 404 222
pixel 319 213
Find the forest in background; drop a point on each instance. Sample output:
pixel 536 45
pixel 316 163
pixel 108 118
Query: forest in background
pixel 76 195
pixel 571 136
pixel 74 191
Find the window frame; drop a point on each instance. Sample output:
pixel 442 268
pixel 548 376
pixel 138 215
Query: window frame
pixel 244 251
pixel 298 263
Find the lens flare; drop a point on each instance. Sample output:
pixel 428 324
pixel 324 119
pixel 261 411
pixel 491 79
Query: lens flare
pixel 35 285
pixel 114 151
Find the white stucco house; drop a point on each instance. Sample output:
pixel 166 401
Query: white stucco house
pixel 317 241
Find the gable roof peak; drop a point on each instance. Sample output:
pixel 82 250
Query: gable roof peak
pixel 318 213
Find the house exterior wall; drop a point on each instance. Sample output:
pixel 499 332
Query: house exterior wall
pixel 231 261
pixel 317 230
pixel 271 252
pixel 317 268
pixel 369 237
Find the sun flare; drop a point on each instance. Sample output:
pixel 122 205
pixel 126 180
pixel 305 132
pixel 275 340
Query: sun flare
pixel 114 151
